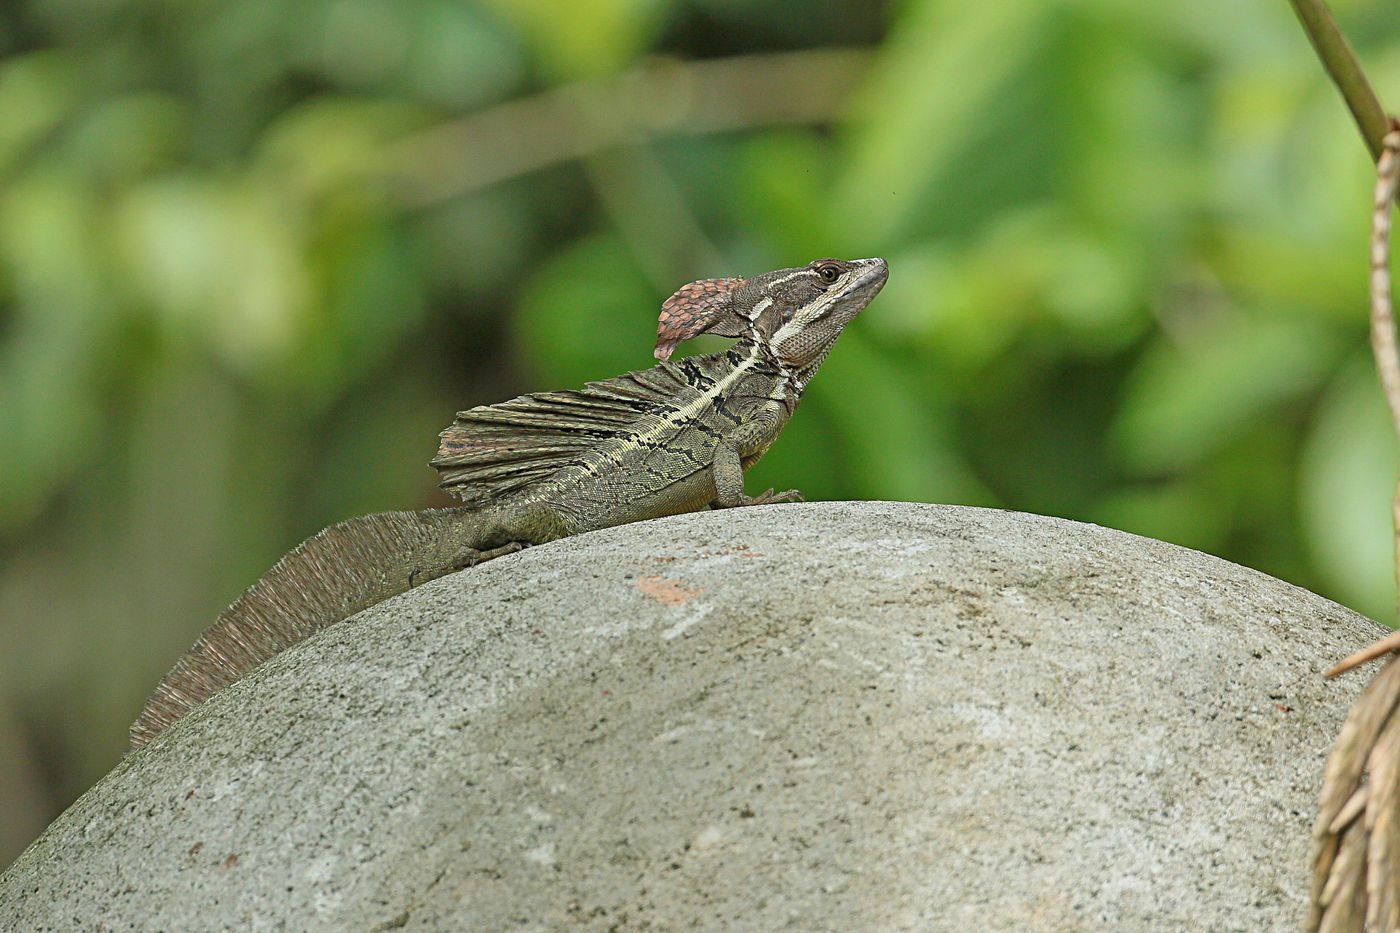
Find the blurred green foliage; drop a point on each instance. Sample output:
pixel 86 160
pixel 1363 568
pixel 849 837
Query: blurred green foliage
pixel 254 254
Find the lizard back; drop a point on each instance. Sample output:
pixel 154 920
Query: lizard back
pixel 636 446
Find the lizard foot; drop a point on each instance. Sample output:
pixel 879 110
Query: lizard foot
pixel 791 495
pixel 481 557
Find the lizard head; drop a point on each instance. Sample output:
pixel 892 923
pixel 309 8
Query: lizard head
pixel 811 306
pixel 797 314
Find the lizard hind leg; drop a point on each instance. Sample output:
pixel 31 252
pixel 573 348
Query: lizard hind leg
pixel 495 532
pixel 463 558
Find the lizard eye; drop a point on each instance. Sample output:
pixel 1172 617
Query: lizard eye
pixel 829 274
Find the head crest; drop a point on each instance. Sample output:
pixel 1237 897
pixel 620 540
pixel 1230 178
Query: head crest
pixel 702 307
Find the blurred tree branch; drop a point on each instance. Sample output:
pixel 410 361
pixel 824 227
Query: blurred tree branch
pixel 1341 64
pixel 660 98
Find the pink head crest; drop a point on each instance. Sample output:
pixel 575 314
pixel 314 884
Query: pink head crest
pixel 701 307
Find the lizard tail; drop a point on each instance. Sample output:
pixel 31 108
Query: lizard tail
pixel 328 577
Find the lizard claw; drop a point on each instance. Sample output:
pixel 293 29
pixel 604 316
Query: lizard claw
pixel 791 495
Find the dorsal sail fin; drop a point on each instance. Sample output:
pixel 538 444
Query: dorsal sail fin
pixel 493 450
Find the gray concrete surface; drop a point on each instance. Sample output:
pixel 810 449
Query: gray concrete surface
pixel 822 716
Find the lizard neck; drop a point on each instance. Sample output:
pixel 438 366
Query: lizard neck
pixel 762 361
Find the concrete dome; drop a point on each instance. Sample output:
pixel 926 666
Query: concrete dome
pixel 824 716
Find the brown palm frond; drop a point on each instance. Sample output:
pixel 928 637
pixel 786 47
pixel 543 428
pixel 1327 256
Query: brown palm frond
pixel 1356 839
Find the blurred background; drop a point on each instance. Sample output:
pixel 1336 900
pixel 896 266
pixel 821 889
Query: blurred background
pixel 254 254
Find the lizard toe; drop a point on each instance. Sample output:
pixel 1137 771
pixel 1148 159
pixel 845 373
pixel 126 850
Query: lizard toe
pixel 769 496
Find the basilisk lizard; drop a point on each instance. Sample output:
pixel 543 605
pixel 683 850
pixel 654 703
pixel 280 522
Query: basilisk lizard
pixel 670 439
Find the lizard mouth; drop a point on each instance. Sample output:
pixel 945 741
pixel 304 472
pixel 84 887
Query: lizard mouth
pixel 872 279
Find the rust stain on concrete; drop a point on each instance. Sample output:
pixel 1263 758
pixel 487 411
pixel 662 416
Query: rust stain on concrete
pixel 669 592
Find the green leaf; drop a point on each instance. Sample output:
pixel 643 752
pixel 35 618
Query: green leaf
pixel 892 429
pixel 1188 397
pixel 37 91
pixel 939 75
pixel 584 38
pixel 587 313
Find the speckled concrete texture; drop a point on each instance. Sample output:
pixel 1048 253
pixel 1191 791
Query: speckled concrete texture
pixel 820 716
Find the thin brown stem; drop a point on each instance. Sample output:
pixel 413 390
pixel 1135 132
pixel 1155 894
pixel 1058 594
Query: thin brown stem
pixel 1383 341
pixel 1341 64
pixel 1374 650
pixel 1384 347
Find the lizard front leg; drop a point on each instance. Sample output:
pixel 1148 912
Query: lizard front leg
pixel 747 439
